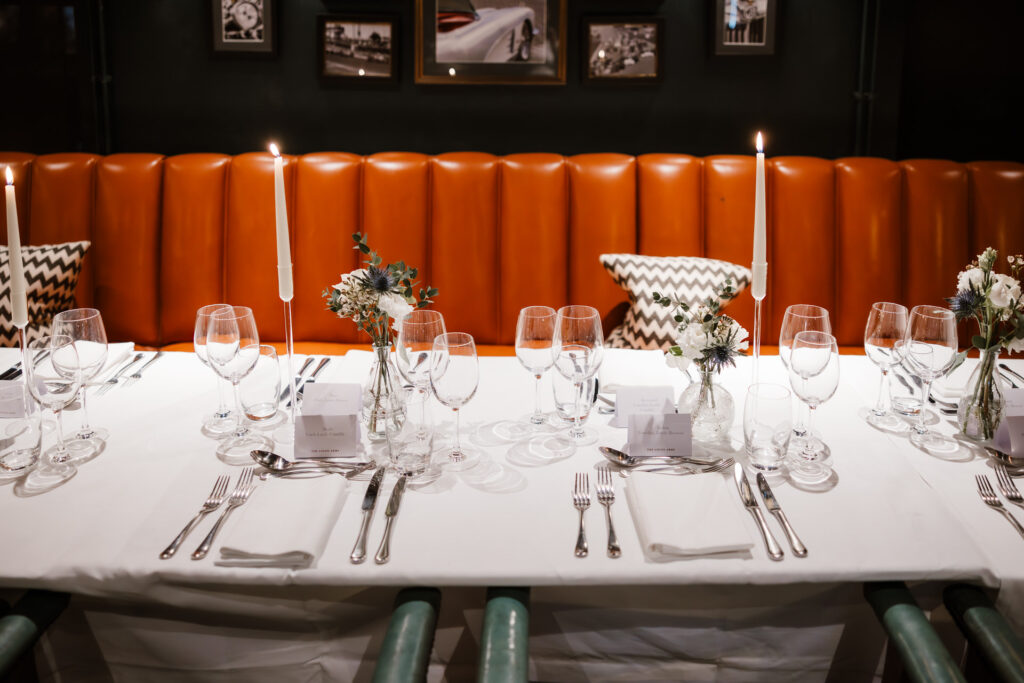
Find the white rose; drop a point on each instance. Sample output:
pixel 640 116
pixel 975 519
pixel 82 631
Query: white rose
pixel 1005 290
pixel 395 306
pixel 1015 345
pixel 693 341
pixel 974 276
pixel 678 362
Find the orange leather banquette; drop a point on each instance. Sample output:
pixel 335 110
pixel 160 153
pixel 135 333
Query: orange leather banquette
pixel 494 234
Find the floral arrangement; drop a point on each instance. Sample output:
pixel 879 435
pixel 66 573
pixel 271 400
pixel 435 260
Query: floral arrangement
pixel 375 296
pixel 707 337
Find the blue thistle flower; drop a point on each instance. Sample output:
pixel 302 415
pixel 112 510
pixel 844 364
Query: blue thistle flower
pixel 719 357
pixel 379 279
pixel 965 303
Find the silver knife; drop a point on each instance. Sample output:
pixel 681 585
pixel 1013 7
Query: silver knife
pixel 298 378
pixel 157 356
pixel 799 549
pixel 300 392
pixel 384 551
pixel 369 503
pixel 747 496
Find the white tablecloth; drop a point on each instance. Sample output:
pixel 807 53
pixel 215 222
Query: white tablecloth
pixel 895 513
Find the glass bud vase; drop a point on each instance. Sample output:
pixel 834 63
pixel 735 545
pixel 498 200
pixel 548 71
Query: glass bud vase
pixel 980 409
pixel 710 406
pixel 383 397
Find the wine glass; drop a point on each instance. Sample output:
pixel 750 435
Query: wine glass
pixel 814 377
pixel 886 327
pixel 221 422
pixel 800 317
pixel 454 376
pixel 416 334
pixel 534 333
pixel 53 381
pixel 232 348
pixel 85 328
pixel 929 349
pixel 578 347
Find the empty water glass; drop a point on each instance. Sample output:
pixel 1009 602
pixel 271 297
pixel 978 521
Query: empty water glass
pixel 20 430
pixel 767 425
pixel 566 394
pixel 261 389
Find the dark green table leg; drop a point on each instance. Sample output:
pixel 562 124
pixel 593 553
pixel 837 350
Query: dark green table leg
pixel 21 627
pixel 986 630
pixel 405 653
pixel 504 643
pixel 924 657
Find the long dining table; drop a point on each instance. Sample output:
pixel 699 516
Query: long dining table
pixel 891 512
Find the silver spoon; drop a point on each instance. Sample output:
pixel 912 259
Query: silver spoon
pixel 279 464
pixel 623 460
pixel 1015 464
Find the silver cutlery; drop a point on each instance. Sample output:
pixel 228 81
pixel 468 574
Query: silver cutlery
pixel 108 384
pixel 988 496
pixel 280 465
pixel 1009 379
pixel 298 378
pixel 384 551
pixel 216 497
pixel 799 549
pixel 311 379
pixel 750 502
pixel 581 501
pixel 14 372
pixel 624 460
pixel 606 496
pixel 137 375
pixel 369 503
pixel 243 489
pixel 1008 488
pixel 680 470
pixel 315 473
pixel 1010 370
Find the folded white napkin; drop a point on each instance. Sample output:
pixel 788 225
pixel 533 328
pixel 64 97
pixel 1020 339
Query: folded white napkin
pixel 682 517
pixel 286 523
pixel 622 367
pixel 951 387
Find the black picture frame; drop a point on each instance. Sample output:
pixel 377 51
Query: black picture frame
pixel 456 62
pixel 609 62
pixel 356 60
pixel 753 32
pixel 244 27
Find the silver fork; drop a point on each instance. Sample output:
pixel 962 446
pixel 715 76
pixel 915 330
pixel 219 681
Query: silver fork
pixel 989 497
pixel 137 375
pixel 581 501
pixel 243 489
pixel 681 470
pixel 606 496
pixel 1007 486
pixel 220 489
pixel 111 381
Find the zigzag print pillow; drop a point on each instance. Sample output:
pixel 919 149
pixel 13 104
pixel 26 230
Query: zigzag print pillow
pixel 51 274
pixel 690 278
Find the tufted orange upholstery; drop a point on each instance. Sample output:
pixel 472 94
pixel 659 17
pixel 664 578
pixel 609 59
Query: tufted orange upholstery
pixel 495 234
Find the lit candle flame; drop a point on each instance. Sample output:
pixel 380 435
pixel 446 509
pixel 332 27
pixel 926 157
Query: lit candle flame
pixel 760 143
pixel 10 176
pixel 451 71
pixel 274 150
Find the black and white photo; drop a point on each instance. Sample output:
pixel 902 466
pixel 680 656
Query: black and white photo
pixel 357 47
pixel 745 26
pixel 243 26
pixel 623 50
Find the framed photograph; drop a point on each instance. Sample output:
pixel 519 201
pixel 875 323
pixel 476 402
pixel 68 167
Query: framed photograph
pixel 358 48
pixel 244 26
pixel 623 50
pixel 745 27
pixel 491 41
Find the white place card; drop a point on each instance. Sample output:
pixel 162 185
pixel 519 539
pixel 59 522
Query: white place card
pixel 12 399
pixel 329 425
pixel 667 434
pixel 640 400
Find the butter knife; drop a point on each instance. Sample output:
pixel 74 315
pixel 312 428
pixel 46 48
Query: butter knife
pixel 298 378
pixel 301 391
pixel 384 552
pixel 799 549
pixel 750 502
pixel 369 503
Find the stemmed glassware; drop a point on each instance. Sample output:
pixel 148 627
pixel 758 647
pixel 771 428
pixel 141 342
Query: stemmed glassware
pixel 454 376
pixel 84 326
pixel 221 422
pixel 930 349
pixel 416 334
pixel 232 348
pixel 814 377
pixel 886 327
pixel 800 317
pixel 578 348
pixel 53 381
pixel 535 331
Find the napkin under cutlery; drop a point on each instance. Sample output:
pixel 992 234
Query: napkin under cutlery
pixel 685 517
pixel 285 524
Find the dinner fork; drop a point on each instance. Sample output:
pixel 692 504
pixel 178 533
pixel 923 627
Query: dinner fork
pixel 606 496
pixel 989 497
pixel 137 375
pixel 111 381
pixel 243 489
pixel 581 501
pixel 216 497
pixel 1007 486
pixel 680 470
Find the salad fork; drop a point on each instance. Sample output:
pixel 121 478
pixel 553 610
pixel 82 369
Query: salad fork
pixel 1007 486
pixel 112 381
pixel 137 375
pixel 216 497
pixel 581 501
pixel 606 496
pixel 243 489
pixel 988 495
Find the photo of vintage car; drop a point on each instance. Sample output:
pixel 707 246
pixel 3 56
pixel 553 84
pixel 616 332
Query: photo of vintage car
pixel 490 31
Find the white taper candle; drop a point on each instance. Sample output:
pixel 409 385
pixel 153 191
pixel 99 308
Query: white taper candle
pixel 759 267
pixel 285 287
pixel 19 303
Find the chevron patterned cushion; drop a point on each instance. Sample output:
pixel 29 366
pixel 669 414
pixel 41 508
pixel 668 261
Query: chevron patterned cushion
pixel 51 274
pixel 690 278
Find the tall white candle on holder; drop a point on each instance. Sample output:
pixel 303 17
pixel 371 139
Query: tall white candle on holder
pixel 284 249
pixel 759 267
pixel 19 304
